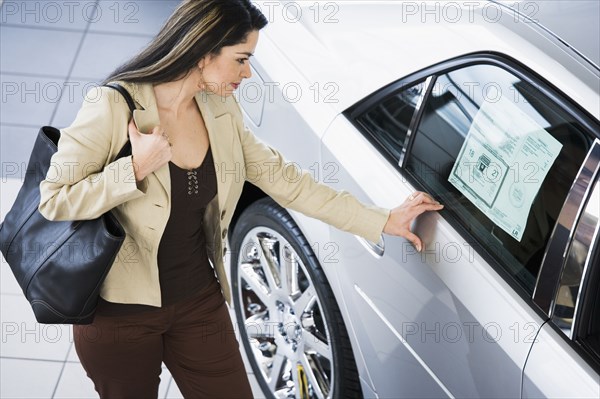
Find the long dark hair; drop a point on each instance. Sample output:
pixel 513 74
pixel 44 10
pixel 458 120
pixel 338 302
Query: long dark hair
pixel 197 28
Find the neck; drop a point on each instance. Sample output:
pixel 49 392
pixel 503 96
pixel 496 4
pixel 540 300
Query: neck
pixel 175 97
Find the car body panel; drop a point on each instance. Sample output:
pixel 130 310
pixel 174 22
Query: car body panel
pixel 363 52
pixel 551 355
pixel 432 300
pixel 444 323
pixel 553 359
pixel 551 15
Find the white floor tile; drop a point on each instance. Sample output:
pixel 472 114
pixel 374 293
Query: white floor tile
pixel 71 101
pixel 23 337
pixel 8 283
pixel 74 383
pixel 22 47
pixel 8 193
pixel 174 392
pixel 29 99
pixel 256 391
pixel 165 381
pixel 16 143
pixel 28 378
pixel 99 56
pixel 132 17
pixel 9 190
pixel 72 356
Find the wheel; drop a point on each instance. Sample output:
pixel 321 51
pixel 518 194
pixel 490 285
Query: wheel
pixel 290 325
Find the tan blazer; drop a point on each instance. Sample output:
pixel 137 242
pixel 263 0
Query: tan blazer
pixel 84 182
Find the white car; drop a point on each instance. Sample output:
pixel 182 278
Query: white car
pixel 498 119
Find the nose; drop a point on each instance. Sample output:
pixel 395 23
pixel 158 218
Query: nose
pixel 246 71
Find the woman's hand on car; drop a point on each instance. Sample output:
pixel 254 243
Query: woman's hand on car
pixel 401 217
pixel 150 151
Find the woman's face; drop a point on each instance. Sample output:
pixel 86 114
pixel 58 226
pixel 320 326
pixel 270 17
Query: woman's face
pixel 222 74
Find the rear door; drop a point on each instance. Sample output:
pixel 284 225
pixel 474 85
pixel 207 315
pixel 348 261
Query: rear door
pixel 567 349
pixel 501 151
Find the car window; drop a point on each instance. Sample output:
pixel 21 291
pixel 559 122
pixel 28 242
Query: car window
pixel 502 157
pixel 388 121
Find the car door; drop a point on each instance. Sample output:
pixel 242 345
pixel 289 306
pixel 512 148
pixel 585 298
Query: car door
pixel 567 349
pixel 501 151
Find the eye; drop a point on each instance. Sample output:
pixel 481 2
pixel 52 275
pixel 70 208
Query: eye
pixel 242 60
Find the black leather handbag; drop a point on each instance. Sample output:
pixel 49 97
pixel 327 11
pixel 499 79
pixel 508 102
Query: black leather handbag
pixel 59 265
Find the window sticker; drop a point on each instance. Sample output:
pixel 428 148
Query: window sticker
pixel 502 164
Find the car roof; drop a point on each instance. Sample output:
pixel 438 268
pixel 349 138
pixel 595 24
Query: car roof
pixel 575 22
pixel 363 46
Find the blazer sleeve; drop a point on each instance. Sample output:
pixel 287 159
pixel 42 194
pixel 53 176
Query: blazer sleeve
pixel 81 183
pixel 296 189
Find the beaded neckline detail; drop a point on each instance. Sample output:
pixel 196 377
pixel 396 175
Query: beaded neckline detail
pixel 192 181
pixel 194 174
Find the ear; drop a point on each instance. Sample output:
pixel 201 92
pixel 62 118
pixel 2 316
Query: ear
pixel 204 61
pixel 207 59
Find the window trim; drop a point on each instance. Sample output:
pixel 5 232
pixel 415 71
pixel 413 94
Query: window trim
pixel 429 84
pixel 503 61
pixel 579 329
pixel 564 232
pixel 588 122
pixel 387 92
pixel 588 267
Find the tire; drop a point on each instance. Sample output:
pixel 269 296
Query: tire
pixel 290 324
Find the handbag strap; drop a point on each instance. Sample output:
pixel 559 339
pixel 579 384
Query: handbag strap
pixel 124 93
pixel 126 150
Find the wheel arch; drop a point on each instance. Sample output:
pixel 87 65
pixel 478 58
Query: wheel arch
pixel 319 231
pixel 250 197
pixel 250 194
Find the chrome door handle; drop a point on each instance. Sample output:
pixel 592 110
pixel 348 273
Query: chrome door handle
pixel 376 249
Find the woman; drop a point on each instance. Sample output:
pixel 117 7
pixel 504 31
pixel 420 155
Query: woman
pixel 175 196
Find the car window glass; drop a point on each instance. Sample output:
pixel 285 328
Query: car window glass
pixel 388 121
pixel 526 151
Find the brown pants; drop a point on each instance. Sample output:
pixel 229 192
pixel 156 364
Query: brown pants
pixel 194 338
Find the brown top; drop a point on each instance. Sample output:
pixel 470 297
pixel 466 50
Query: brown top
pixel 184 269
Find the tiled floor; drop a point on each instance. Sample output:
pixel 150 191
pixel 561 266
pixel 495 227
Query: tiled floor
pixel 50 53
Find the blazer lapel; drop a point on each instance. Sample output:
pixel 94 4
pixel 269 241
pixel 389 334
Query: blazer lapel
pixel 220 134
pixel 146 119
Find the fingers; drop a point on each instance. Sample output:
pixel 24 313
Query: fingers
pixel 419 197
pixel 424 207
pixel 419 202
pixel 133 131
pixel 403 216
pixel 415 240
pixel 158 131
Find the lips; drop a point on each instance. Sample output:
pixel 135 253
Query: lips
pixel 235 85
